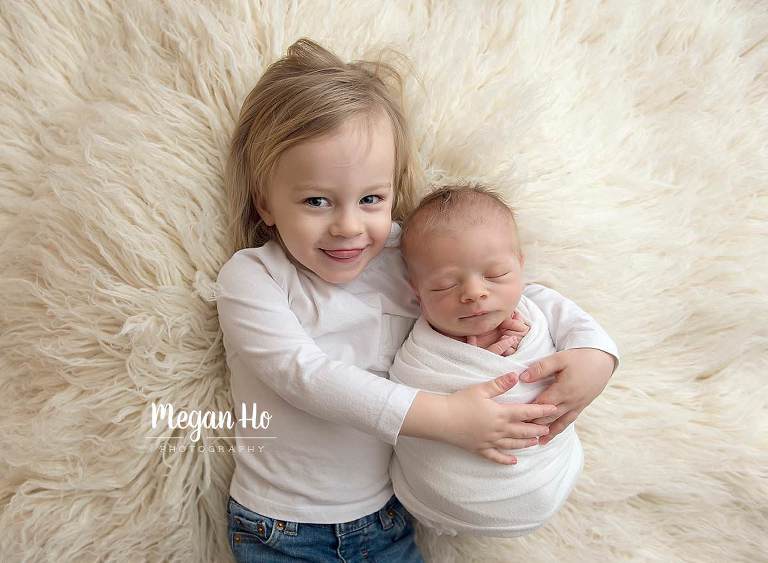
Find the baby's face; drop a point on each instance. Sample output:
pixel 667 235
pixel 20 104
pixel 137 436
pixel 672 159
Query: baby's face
pixel 468 282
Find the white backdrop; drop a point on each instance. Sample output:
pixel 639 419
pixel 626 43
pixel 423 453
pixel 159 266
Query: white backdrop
pixel 630 135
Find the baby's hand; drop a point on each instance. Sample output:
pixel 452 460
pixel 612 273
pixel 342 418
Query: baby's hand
pixel 515 324
pixel 506 338
pixel 504 346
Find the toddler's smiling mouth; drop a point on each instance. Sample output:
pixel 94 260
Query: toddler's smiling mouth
pixel 343 254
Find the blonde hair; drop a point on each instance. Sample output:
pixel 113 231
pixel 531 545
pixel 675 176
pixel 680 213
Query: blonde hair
pixel 308 93
pixel 453 207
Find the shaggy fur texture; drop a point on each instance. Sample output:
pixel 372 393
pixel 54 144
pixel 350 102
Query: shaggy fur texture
pixel 631 137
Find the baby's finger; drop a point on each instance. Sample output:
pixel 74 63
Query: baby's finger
pixel 511 322
pixel 514 333
pixel 517 326
pixel 472 340
pixel 511 349
pixel 502 345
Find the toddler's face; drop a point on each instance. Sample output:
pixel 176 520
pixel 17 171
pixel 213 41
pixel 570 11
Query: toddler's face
pixel 468 282
pixel 331 198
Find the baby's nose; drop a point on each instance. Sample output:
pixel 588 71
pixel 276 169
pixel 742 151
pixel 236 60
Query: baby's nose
pixel 473 290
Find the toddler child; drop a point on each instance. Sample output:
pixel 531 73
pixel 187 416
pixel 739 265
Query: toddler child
pixel 465 262
pixel 313 305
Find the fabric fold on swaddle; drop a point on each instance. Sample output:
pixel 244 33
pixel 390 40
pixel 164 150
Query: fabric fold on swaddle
pixel 454 491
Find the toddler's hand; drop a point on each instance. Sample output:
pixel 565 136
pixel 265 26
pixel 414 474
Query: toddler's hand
pixel 581 374
pixel 479 424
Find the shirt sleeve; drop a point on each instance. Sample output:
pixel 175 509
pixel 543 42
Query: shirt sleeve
pixel 569 325
pixel 261 329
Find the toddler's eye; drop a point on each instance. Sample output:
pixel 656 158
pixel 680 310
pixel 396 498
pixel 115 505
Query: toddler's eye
pixel 363 200
pixel 499 276
pixel 312 201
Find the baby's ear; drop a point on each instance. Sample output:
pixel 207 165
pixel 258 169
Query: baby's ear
pixel 415 291
pixel 522 259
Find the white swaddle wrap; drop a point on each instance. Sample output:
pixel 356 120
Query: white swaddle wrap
pixel 452 490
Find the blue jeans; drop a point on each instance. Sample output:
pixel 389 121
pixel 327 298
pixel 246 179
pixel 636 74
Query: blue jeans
pixel 384 536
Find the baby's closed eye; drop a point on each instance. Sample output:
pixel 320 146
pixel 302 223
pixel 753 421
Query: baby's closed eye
pixel 443 285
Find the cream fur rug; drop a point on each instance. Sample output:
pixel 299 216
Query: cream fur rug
pixel 630 135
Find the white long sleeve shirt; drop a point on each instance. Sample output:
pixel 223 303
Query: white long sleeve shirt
pixel 315 356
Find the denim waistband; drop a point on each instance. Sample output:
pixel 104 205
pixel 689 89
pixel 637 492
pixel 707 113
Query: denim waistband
pixel 385 515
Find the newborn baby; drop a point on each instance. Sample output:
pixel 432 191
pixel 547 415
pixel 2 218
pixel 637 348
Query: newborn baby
pixel 465 263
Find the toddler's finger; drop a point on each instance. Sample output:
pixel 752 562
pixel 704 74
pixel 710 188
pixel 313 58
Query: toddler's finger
pixel 495 455
pixel 498 386
pixel 559 425
pixel 524 431
pixel 528 411
pixel 516 443
pixel 545 420
pixel 553 395
pixel 543 368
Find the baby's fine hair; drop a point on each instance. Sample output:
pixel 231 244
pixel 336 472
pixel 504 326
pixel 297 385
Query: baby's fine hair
pixel 454 207
pixel 308 93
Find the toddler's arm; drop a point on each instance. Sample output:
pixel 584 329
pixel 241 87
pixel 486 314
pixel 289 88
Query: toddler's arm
pixel 585 361
pixel 471 419
pixel 259 326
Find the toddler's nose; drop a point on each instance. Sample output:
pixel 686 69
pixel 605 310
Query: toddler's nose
pixel 347 225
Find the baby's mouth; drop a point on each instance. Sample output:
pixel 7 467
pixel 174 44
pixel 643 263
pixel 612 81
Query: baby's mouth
pixel 473 315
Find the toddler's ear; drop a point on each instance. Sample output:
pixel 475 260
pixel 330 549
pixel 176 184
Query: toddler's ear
pixel 265 215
